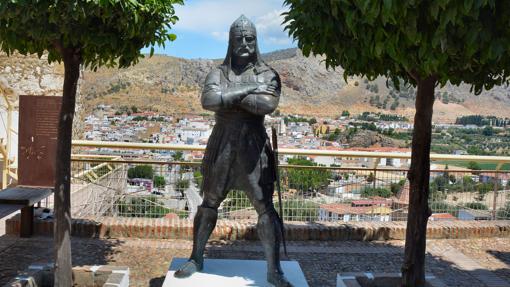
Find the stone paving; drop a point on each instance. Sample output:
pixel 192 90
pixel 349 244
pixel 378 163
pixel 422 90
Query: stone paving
pixel 474 262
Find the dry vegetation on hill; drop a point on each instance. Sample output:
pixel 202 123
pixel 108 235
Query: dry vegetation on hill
pixel 172 85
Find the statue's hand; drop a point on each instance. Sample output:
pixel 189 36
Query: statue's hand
pixel 235 95
pixel 264 89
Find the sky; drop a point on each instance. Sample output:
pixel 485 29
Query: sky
pixel 202 29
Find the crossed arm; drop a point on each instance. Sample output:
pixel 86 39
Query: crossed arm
pixel 256 98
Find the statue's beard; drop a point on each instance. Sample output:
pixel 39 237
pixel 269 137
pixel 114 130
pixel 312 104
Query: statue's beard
pixel 240 62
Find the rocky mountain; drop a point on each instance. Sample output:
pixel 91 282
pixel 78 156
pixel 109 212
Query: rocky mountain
pixel 173 85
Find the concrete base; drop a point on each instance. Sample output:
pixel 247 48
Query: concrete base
pixel 369 279
pixel 233 273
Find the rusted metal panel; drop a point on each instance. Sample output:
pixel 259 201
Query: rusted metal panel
pixel 37 148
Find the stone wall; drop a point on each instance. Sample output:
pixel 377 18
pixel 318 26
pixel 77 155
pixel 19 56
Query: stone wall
pixel 162 228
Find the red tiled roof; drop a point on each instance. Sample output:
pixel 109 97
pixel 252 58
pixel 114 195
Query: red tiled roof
pixel 442 216
pixel 369 201
pixel 342 208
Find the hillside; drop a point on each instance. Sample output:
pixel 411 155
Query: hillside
pixel 173 85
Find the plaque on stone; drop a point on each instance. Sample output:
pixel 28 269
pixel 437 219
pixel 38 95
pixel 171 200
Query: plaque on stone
pixel 37 140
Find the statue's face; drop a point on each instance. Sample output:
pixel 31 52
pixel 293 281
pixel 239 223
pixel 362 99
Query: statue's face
pixel 244 44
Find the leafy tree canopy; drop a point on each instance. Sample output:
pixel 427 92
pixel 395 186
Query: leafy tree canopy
pixel 141 171
pixel 104 32
pixel 405 39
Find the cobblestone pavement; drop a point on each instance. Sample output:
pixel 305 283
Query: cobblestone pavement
pixel 321 261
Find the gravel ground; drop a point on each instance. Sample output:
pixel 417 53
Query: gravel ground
pixel 320 261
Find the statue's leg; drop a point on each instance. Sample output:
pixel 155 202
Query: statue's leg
pixel 203 226
pixel 269 231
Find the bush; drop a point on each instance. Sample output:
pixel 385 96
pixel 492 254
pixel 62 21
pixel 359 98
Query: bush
pixel 378 191
pixel 476 205
pixel 141 171
pixel 159 181
pixel 146 206
pixel 305 179
pixel 182 184
pixel 299 210
pixel 474 165
pixel 396 187
pixel 504 212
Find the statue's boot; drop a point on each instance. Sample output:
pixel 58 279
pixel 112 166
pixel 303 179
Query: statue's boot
pixel 268 229
pixel 203 225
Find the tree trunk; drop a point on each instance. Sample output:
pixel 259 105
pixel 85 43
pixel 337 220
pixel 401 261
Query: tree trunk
pixel 62 229
pixel 413 270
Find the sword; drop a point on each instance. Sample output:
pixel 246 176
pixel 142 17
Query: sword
pixel 278 187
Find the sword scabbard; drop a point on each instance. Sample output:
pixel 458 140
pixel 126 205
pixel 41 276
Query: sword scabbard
pixel 278 187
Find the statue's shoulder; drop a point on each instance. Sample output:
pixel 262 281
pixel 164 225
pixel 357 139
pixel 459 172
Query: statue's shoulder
pixel 270 74
pixel 214 75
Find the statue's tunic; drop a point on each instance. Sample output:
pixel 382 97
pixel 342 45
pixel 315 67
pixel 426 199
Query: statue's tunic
pixel 239 154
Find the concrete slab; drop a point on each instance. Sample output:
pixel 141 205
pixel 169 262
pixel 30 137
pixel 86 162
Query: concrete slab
pixel 233 273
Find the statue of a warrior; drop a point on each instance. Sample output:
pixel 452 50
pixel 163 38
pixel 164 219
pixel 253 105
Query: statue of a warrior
pixel 241 91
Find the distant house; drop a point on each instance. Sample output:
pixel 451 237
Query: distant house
pixel 358 210
pixel 442 217
pixel 502 178
pixel 143 182
pixel 470 214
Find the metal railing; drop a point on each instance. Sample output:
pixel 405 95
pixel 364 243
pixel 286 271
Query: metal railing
pixel 360 186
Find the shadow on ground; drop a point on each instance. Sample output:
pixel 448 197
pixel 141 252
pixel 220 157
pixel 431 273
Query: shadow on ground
pixel 148 259
pixel 16 254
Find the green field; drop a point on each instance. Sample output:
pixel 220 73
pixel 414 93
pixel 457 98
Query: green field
pixel 483 165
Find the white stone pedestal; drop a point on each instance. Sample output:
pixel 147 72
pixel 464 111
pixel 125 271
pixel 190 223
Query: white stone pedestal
pixel 233 273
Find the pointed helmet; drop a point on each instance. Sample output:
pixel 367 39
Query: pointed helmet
pixel 242 26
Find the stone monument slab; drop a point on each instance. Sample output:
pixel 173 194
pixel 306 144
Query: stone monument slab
pixel 233 273
pixel 37 148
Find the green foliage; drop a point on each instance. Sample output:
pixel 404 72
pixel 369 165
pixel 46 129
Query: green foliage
pixel 370 178
pixel 140 118
pixel 378 191
pixel 474 165
pixel 376 117
pixel 395 187
pixel 197 175
pixel 159 181
pixel 141 171
pixel 298 210
pixel 312 121
pixel 504 212
pixel 294 119
pixel 305 179
pixel 178 156
pixel 482 120
pixel 488 131
pixel 147 206
pixel 476 205
pixel 345 114
pixel 182 184
pixel 443 207
pixel 456 41
pixel 104 32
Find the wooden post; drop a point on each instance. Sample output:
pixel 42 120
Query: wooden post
pixel 27 221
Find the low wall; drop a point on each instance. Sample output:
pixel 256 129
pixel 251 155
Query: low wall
pixel 237 230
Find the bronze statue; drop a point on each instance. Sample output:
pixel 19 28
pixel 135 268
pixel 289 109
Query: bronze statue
pixel 241 91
